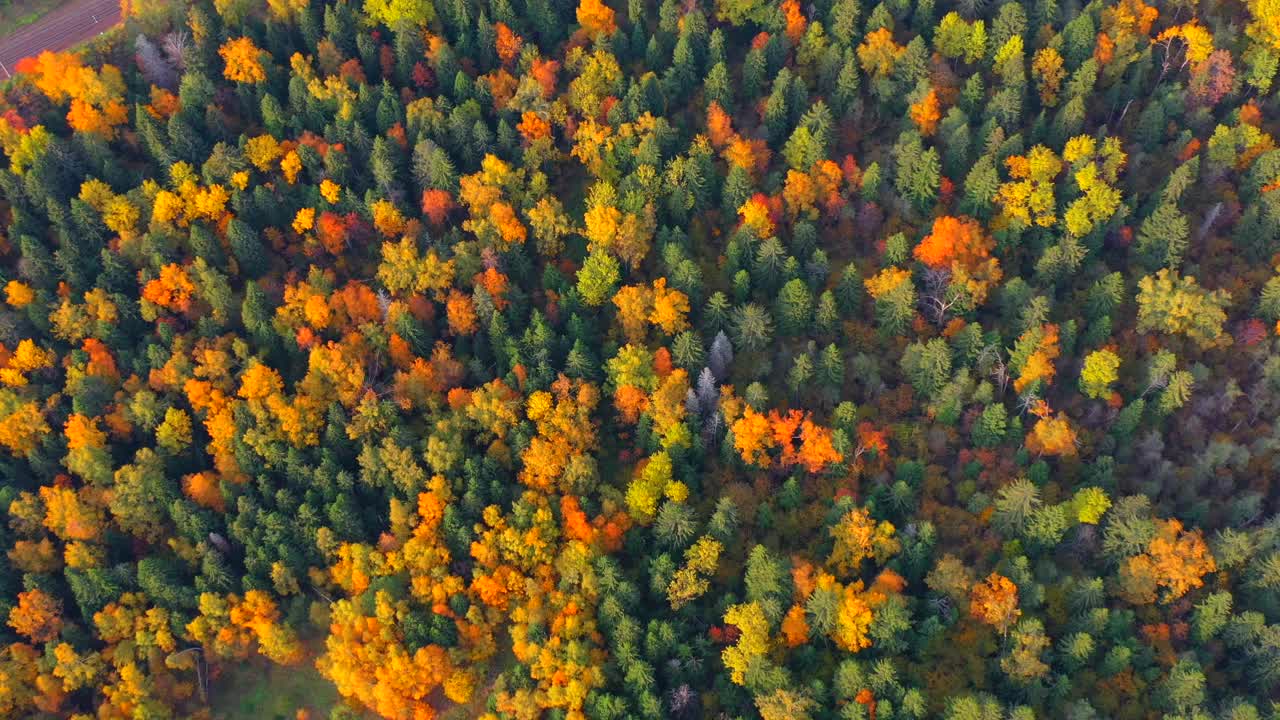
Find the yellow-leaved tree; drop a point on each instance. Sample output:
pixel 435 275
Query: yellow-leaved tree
pixel 242 61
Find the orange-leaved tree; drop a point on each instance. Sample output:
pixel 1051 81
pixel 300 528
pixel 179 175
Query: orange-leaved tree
pixel 994 601
pixel 960 245
pixel 926 113
pixel 37 616
pixel 1175 561
pixel 596 18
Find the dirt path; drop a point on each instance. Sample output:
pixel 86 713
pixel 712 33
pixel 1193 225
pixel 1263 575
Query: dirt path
pixel 68 25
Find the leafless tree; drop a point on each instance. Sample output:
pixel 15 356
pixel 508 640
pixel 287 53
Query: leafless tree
pixel 681 700
pixel 1209 219
pixel 175 47
pixel 999 370
pixel 155 68
pixel 939 297
pixel 1026 402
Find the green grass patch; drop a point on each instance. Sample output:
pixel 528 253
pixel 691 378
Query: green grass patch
pixel 265 691
pixel 17 14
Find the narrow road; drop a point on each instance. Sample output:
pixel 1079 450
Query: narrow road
pixel 68 25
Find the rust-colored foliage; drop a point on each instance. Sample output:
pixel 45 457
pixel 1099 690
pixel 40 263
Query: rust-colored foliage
pixel 1052 436
pixel 960 245
pixel 436 205
pixel 506 42
pixel 172 290
pixel 1175 562
pixel 926 113
pixel 596 18
pixel 994 601
pixel 37 616
pixel 795 629
pixel 257 275
pixel 719 126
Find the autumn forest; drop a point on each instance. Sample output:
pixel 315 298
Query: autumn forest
pixel 598 360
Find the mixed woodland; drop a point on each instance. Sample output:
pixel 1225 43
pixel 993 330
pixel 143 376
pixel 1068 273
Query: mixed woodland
pixel 738 359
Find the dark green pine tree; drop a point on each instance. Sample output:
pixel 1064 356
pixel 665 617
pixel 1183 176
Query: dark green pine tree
pixel 247 247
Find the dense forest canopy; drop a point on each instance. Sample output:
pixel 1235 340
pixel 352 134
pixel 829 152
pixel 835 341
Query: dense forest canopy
pixel 705 358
